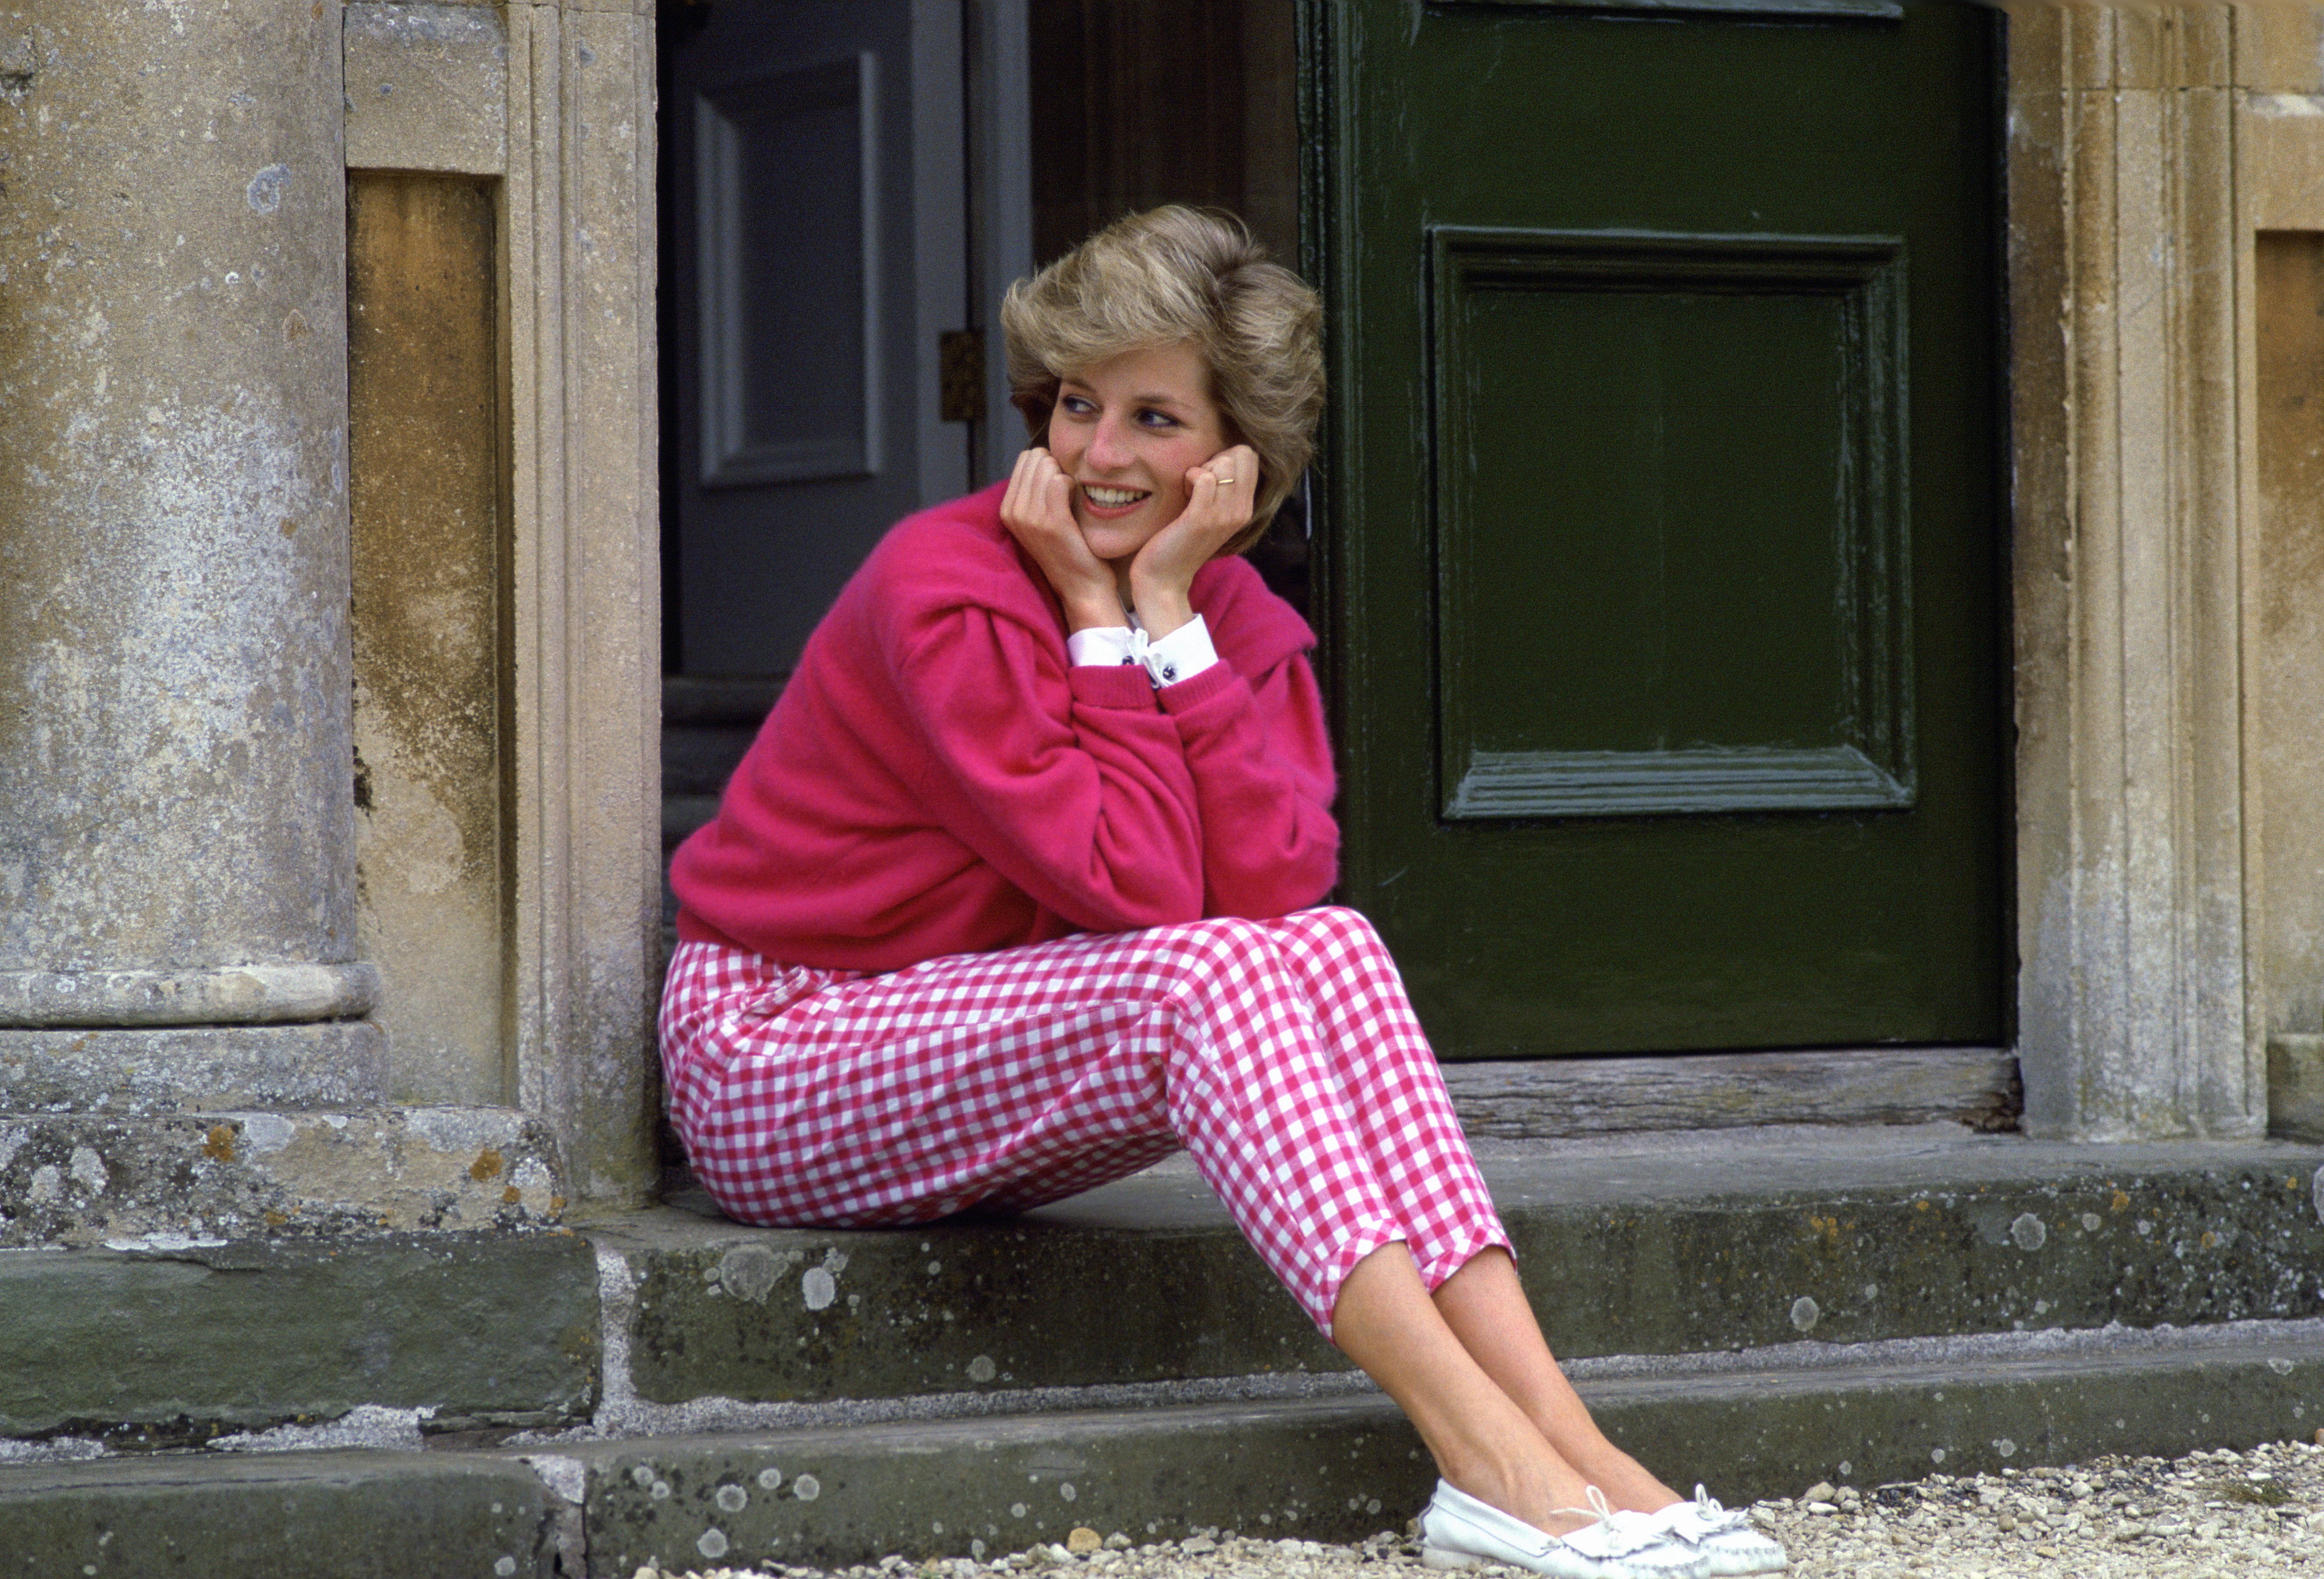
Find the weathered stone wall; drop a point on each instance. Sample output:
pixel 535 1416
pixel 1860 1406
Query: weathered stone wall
pixel 174 790
pixel 2289 270
pixel 428 499
pixel 587 586
pixel 180 933
pixel 176 808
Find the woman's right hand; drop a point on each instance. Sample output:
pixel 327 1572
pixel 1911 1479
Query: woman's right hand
pixel 1039 512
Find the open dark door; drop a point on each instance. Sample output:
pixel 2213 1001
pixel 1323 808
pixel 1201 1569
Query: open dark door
pixel 1662 554
pixel 817 253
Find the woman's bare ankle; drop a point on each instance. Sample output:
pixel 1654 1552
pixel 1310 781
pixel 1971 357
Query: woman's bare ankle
pixel 1627 1484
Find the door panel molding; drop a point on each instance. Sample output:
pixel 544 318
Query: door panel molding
pixel 807 308
pixel 780 125
pixel 1838 740
pixel 1709 780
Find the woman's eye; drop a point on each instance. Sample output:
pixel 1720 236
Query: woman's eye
pixel 1075 404
pixel 1158 418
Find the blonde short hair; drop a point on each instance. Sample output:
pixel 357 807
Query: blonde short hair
pixel 1171 276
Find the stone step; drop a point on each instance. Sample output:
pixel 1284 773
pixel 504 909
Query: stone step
pixel 1342 1468
pixel 680 816
pixel 1324 1467
pixel 706 725
pixel 1697 1243
pixel 172 1344
pixel 382 1515
pixel 670 1320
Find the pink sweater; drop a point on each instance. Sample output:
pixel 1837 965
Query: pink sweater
pixel 936 778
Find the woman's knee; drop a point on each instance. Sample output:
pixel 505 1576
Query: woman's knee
pixel 1221 948
pixel 1333 929
pixel 1229 988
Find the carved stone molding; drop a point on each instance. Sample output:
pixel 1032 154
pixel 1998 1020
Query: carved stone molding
pixel 556 102
pixel 248 994
pixel 587 606
pixel 2136 875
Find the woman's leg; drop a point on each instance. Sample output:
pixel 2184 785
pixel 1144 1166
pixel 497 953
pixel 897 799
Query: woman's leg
pixel 1385 1063
pixel 1485 1307
pixel 1248 1086
pixel 838 1099
pixel 1482 1442
pixel 1396 1095
pixel 1021 1075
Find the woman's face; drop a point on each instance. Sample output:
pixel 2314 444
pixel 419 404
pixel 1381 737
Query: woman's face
pixel 1126 431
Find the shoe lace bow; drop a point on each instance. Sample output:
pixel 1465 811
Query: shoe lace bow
pixel 1710 1516
pixel 1621 1532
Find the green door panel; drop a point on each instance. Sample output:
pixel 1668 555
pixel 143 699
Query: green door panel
pixel 1713 606
pixel 1662 573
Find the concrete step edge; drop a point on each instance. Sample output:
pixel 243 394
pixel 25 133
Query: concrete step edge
pixel 1346 1467
pixel 1329 1468
pixel 1147 1281
pixel 1144 1287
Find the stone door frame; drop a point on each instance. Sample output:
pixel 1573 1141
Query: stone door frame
pixel 556 102
pixel 2159 942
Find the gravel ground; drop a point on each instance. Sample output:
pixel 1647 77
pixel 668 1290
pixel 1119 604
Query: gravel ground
pixel 2210 1514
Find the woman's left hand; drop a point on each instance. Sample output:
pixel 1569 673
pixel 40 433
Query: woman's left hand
pixel 1219 504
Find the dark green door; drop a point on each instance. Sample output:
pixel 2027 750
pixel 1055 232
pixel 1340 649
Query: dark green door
pixel 1663 567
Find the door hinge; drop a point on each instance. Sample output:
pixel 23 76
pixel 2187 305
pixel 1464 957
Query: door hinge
pixel 961 375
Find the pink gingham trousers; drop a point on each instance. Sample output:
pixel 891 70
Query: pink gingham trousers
pixel 1281 1054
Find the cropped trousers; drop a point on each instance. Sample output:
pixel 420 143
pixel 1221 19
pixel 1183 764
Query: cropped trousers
pixel 1282 1054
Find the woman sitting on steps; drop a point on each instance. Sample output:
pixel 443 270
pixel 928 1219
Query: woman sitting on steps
pixel 1017 891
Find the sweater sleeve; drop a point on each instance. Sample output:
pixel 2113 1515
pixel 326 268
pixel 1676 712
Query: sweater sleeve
pixel 1262 763
pixel 1070 782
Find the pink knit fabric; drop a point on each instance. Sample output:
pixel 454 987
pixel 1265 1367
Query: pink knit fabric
pixel 1281 1053
pixel 937 779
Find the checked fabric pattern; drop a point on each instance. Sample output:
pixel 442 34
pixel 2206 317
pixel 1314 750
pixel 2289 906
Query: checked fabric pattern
pixel 1281 1054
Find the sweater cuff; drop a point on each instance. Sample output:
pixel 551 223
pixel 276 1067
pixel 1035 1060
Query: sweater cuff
pixel 1112 686
pixel 1189 694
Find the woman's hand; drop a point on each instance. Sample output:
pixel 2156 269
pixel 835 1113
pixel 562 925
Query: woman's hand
pixel 1219 503
pixel 1039 512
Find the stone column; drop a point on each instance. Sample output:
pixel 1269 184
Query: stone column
pixel 2134 1019
pixel 177 907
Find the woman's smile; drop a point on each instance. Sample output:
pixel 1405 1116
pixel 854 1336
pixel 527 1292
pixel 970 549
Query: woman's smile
pixel 1113 502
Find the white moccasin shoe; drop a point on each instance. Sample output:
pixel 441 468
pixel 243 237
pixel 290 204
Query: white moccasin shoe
pixel 1723 1536
pixel 1456 1531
